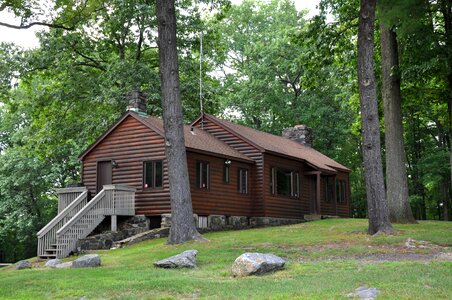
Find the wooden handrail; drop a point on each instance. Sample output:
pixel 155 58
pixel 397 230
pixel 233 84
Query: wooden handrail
pixel 75 218
pixel 119 187
pixel 79 189
pixel 62 214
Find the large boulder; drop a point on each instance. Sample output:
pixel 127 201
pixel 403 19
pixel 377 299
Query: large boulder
pixel 52 263
pixel 87 261
pixel 256 264
pixel 186 259
pixel 21 265
pixel 65 265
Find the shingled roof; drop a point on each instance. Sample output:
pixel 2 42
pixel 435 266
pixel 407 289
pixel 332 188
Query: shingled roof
pixel 281 146
pixel 196 139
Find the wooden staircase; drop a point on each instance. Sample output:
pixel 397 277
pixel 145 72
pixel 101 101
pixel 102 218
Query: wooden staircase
pixel 80 217
pixel 49 253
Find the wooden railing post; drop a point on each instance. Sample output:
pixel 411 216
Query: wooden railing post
pixel 67 195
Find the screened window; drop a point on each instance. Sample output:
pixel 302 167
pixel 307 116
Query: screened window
pixel 341 191
pixel 153 174
pixel 329 189
pixel 226 173
pixel 202 174
pixel 285 182
pixel 242 181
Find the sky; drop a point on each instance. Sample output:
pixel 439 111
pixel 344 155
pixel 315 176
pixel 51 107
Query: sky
pixel 26 37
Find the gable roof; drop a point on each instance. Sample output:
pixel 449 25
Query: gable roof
pixel 196 140
pixel 279 145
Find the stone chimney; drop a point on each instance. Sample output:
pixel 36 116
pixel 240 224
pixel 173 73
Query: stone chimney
pixel 301 134
pixel 137 102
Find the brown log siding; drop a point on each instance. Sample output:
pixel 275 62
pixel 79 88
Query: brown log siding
pixel 256 173
pixel 284 206
pixel 220 198
pixel 131 144
pixel 333 208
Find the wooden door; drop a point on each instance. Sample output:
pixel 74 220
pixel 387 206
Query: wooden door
pixel 104 174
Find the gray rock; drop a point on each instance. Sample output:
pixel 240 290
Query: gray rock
pixel 147 235
pixel 52 263
pixel 65 265
pixel 186 259
pixel 365 293
pixel 447 256
pixel 87 261
pixel 216 222
pixel 256 264
pixel 21 265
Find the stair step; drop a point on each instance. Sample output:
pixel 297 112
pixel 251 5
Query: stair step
pixel 51 250
pixel 47 256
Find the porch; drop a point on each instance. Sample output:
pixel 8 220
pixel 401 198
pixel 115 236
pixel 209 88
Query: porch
pixel 78 217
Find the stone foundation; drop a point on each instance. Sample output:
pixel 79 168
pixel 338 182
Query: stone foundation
pixel 166 220
pixel 105 240
pixel 221 222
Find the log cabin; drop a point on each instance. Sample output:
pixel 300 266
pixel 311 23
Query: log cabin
pixel 234 171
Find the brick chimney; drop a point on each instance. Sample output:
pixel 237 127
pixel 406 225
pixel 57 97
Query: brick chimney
pixel 137 102
pixel 301 134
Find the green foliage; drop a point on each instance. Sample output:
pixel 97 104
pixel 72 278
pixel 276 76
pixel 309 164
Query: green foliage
pixel 25 202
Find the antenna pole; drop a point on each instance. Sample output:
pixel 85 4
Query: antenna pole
pixel 200 83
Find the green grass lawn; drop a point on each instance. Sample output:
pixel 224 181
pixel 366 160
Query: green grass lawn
pixel 322 264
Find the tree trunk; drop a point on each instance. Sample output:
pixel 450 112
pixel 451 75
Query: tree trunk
pixel 373 171
pixel 182 222
pixel 396 179
pixel 446 9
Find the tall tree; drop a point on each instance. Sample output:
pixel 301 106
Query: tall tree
pixel 396 178
pixel 373 171
pixel 182 224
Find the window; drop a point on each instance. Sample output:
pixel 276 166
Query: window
pixel 242 181
pixel 341 192
pixel 329 189
pixel 153 174
pixel 285 182
pixel 202 174
pixel 226 174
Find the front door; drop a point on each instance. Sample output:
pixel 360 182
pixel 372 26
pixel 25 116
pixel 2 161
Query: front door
pixel 104 174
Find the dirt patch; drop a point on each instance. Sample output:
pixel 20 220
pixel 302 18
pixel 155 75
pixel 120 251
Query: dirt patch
pixel 384 257
pixel 410 250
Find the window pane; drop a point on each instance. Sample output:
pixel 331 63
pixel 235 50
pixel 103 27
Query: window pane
pixel 226 174
pixel 344 192
pixel 272 180
pixel 204 175
pixel 148 175
pixel 338 192
pixel 283 182
pixel 296 184
pixel 158 165
pixel 242 181
pixel 198 174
